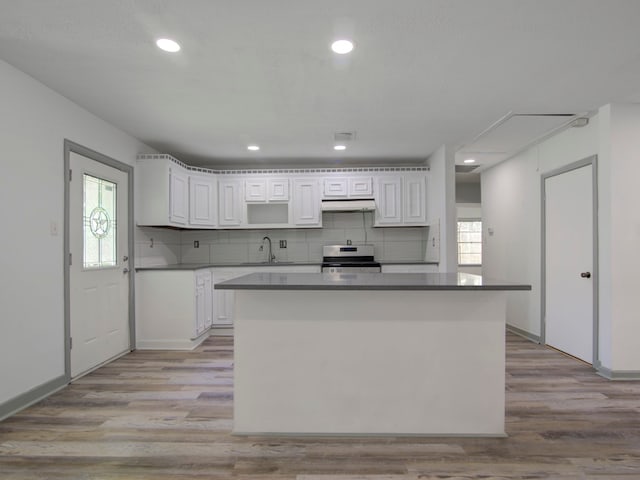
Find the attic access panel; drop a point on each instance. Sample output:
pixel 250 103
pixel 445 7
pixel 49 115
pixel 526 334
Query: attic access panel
pixel 515 132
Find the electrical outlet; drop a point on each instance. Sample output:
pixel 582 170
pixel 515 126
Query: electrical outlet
pixel 196 244
pixel 283 244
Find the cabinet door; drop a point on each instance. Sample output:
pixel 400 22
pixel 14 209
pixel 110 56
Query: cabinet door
pixel 306 202
pixel 414 211
pixel 230 202
pixel 178 196
pixel 360 187
pixel 204 301
pixel 255 190
pixel 201 306
pixel 203 202
pixel 388 200
pixel 335 187
pixel 278 190
pixel 224 307
pixel 208 296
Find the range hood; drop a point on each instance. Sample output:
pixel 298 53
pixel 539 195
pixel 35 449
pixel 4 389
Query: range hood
pixel 356 205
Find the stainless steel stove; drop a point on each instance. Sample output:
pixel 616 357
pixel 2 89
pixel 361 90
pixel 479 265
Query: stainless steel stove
pixel 349 259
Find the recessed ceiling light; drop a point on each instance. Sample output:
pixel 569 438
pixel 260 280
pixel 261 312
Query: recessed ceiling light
pixel 253 148
pixel 168 45
pixel 342 46
pixel 339 147
pixel 470 160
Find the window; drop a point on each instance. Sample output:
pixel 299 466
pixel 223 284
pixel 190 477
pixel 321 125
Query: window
pixel 470 242
pixel 99 223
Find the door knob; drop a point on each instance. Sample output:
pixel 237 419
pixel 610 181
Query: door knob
pixel 125 270
pixel 585 274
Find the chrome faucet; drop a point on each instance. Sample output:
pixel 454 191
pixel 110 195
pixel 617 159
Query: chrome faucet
pixel 271 258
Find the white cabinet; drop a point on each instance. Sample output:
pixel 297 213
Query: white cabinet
pixel 255 190
pixel 347 187
pixel 335 187
pixel 278 189
pixel 162 192
pixel 167 195
pixel 388 200
pixel 174 308
pixel 306 202
pixel 178 195
pixel 230 212
pixel 266 190
pixel 401 200
pixel 414 205
pixel 360 187
pixel 204 302
pixel 203 201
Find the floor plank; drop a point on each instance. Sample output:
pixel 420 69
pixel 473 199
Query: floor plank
pixel 168 415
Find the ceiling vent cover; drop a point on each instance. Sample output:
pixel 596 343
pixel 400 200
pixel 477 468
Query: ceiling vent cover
pixel 466 168
pixel 344 136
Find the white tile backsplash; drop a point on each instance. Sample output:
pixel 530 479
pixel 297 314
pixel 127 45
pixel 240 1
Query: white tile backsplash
pixel 157 246
pixel 303 244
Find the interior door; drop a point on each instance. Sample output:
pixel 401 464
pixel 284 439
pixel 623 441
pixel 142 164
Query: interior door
pixel 99 270
pixel 569 234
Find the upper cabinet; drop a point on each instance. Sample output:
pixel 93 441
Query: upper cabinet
pixel 178 195
pixel 168 195
pixel 262 190
pixel 230 202
pixel 162 192
pixel 306 202
pixel 401 200
pixel 203 200
pixel 347 187
pixel 388 200
pixel 171 194
pixel 414 199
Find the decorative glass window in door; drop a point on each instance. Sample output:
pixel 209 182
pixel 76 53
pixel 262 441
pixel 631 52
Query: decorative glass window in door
pixel 99 223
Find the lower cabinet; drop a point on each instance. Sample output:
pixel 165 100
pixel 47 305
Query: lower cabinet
pixel 178 309
pixel 174 308
pixel 224 299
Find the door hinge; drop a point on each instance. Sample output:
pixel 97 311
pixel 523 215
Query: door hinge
pixel 70 174
pixel 70 259
pixel 70 343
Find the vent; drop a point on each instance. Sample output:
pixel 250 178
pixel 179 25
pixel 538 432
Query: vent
pixel 344 136
pixel 466 168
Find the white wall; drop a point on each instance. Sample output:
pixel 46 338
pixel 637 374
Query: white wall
pixel 441 209
pixel 34 122
pixel 511 206
pixel 619 171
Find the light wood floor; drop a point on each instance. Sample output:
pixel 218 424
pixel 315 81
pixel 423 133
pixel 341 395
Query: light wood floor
pixel 161 415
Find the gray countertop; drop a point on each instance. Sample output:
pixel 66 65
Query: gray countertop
pixel 198 266
pixel 366 281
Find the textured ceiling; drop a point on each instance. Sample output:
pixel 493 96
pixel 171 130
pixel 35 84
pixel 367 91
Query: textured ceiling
pixel 423 73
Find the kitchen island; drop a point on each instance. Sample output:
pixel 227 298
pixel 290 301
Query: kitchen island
pixel 369 354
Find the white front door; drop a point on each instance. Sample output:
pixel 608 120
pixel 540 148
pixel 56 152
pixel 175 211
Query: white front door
pixel 569 320
pixel 98 274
